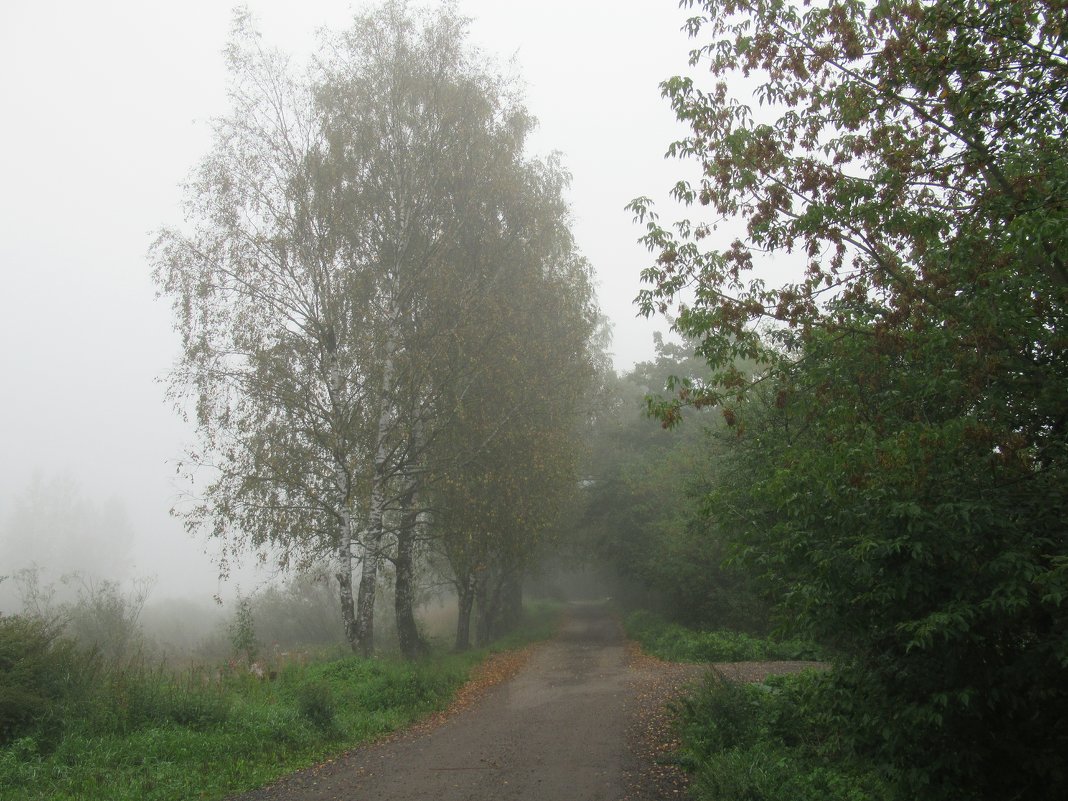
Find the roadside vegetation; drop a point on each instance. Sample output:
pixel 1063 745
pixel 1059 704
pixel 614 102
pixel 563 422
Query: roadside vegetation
pixel 74 725
pixel 775 740
pixel 778 739
pixel 677 643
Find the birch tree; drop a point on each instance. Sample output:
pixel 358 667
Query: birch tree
pixel 275 368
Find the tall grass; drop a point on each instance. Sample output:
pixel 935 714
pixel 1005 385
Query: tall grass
pixel 140 732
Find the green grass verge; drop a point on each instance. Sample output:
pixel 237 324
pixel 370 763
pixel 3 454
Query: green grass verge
pixel 677 643
pixel 142 735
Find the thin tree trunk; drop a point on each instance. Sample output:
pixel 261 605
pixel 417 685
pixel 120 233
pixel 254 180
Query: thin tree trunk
pixel 487 598
pixel 511 605
pixel 344 552
pixel 365 601
pixel 412 645
pixel 465 600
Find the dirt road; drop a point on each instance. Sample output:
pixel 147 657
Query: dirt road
pixel 563 728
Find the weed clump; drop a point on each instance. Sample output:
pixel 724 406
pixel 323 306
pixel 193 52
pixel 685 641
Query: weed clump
pixel 315 702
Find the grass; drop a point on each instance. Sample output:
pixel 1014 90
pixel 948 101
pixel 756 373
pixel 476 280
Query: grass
pixel 150 735
pixel 677 643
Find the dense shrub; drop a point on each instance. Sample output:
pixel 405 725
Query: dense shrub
pixel 49 684
pixel 146 698
pixel 105 618
pixel 772 742
pixel 242 631
pixel 41 675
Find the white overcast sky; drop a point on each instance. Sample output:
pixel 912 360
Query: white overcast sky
pixel 105 108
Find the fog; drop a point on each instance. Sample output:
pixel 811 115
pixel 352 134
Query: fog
pixel 107 108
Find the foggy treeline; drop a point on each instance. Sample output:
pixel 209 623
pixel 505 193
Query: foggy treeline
pixel 386 325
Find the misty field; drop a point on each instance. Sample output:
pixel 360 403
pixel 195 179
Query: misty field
pixel 76 727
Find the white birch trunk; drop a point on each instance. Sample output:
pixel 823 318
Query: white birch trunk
pixel 365 604
pixel 344 578
pixel 344 551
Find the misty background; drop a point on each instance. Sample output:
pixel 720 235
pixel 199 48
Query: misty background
pixel 108 107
